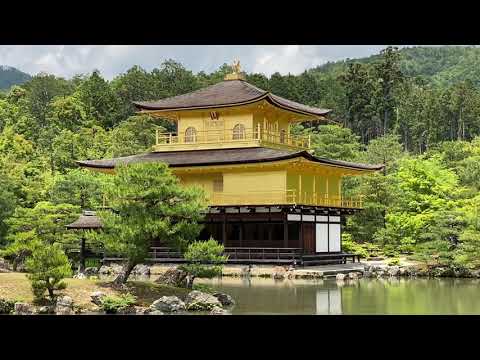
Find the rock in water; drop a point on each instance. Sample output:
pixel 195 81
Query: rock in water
pixel 140 269
pixel 96 297
pixel 64 306
pixel 225 299
pixel 368 274
pixel 218 311
pixel 393 271
pixel 340 276
pixel 173 277
pixel 279 273
pixel 168 304
pixel 155 312
pixel 24 309
pixel 200 301
pixel 353 275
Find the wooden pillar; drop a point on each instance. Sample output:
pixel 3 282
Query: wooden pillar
pixel 301 231
pixel 82 256
pixel 285 231
pixel 224 229
pixel 240 235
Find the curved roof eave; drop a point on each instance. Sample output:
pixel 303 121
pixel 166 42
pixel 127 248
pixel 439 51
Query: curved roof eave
pixel 305 154
pixel 152 109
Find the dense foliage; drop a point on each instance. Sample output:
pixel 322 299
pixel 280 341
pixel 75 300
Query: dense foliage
pixel 148 203
pixel 416 110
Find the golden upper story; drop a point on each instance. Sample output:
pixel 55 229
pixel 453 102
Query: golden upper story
pixel 230 114
pixel 234 141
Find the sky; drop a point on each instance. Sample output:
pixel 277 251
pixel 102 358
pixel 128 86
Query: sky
pixel 111 60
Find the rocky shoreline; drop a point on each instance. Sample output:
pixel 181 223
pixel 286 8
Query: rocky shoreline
pixel 195 302
pixel 290 272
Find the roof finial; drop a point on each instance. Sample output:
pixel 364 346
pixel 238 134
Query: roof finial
pixel 236 73
pixel 236 66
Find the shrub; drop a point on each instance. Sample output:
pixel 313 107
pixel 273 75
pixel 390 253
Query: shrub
pixel 204 288
pixel 393 261
pixel 47 266
pixel 205 259
pixel 349 245
pixel 6 306
pixel 114 304
pixel 390 250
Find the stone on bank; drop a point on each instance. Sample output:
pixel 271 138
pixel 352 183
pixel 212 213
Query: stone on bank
pixel 200 301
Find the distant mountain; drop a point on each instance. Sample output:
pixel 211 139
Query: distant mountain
pixel 441 65
pixel 10 76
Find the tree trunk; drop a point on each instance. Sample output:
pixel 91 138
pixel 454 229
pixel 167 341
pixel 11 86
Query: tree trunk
pixel 50 293
pixel 190 279
pixel 123 276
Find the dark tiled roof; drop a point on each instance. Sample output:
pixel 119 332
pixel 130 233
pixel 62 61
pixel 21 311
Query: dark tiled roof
pixel 88 220
pixel 226 93
pixel 220 157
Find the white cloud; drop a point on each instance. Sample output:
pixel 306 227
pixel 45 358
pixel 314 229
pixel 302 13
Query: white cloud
pixel 69 60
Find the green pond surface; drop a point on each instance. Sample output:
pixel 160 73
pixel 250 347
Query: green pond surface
pixel 260 296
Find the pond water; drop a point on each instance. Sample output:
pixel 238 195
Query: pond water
pixel 365 296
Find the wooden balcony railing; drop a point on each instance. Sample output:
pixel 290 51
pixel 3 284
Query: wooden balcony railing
pixel 282 197
pixel 210 138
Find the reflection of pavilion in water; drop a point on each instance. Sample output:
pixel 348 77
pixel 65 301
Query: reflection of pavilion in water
pixel 268 296
pixel 329 301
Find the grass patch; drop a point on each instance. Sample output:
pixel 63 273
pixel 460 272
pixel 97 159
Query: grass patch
pixel 15 286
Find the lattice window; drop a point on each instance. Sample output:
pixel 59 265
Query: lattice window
pixel 190 135
pixel 238 132
pixel 218 184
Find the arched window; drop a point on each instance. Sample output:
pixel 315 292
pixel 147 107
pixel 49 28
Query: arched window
pixel 238 132
pixel 190 135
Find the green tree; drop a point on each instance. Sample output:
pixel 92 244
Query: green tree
pixel 148 203
pixel 388 75
pixel 41 89
pixel 205 260
pixel 85 143
pixel 47 267
pixel 79 187
pixel 335 142
pixel 101 102
pixel 45 223
pixel 135 135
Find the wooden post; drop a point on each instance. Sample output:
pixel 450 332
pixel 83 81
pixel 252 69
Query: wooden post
pixel 285 231
pixel 224 228
pixel 156 136
pixel 82 256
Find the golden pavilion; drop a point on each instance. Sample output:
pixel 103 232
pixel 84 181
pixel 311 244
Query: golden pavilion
pixel 270 199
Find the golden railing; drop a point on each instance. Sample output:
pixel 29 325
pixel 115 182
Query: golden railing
pixel 232 135
pixel 282 197
pixel 279 197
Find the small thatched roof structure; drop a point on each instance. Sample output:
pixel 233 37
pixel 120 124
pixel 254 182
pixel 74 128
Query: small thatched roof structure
pixel 88 220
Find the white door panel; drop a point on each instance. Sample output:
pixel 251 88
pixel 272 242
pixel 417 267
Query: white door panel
pixel 321 238
pixel 334 237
